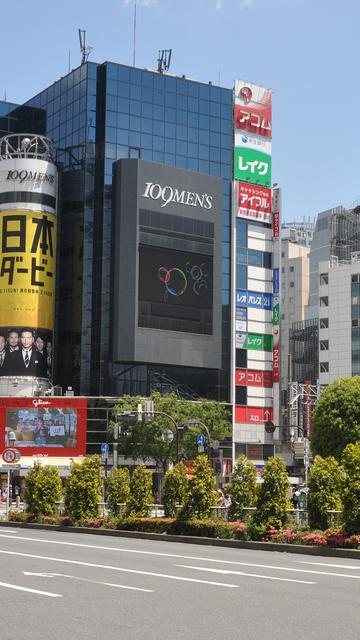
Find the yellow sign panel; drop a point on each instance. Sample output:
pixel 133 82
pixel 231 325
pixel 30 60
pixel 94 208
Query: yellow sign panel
pixel 27 268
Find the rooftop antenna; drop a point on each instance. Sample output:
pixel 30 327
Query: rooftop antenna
pixel 164 60
pixel 84 50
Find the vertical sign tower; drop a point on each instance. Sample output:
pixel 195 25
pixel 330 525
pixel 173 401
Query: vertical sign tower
pixel 256 277
pixel 28 191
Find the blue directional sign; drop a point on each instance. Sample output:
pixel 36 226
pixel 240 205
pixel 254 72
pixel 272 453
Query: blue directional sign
pixel 104 448
pixel 200 439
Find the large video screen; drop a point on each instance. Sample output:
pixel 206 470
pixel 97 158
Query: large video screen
pixel 176 287
pixel 55 428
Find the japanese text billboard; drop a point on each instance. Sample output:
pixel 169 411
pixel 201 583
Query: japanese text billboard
pixel 254 202
pixel 27 266
pixel 254 299
pixel 251 165
pixel 249 415
pixel 253 378
pixel 252 112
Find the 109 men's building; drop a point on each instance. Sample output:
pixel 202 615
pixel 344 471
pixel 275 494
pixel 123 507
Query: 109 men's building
pixel 165 270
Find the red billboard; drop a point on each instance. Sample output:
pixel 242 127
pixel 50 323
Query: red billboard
pixel 50 426
pixel 255 415
pixel 253 119
pixel 254 202
pixel 276 363
pixel 253 378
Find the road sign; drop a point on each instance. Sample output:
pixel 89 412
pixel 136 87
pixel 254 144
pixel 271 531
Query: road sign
pixel 105 448
pixel 10 455
pixel 200 439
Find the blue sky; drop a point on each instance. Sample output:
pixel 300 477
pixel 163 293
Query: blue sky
pixel 305 50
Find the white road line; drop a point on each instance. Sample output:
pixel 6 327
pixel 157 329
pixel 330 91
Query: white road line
pixel 40 593
pixel 329 564
pixel 106 584
pixel 178 556
pixel 241 573
pixel 104 566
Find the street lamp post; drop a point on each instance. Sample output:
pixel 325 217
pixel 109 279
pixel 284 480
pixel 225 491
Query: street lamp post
pixel 10 441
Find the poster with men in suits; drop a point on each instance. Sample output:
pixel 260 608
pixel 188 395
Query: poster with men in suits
pixel 25 352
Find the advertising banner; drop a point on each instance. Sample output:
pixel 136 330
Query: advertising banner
pixel 252 378
pixel 252 166
pixel 241 319
pixel 276 363
pixel 259 342
pixel 48 426
pixel 242 139
pixel 254 299
pixel 252 112
pixel 257 415
pixel 254 203
pixel 240 340
pixel 276 283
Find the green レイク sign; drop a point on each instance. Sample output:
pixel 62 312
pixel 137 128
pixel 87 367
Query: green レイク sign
pixel 252 166
pixel 276 314
pixel 259 342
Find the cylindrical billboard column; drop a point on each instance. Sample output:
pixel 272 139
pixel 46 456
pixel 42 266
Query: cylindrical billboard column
pixel 28 192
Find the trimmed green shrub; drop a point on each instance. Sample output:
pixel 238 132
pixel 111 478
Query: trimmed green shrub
pixel 351 488
pixel 176 489
pixel 241 489
pixel 141 495
pixel 206 527
pixel 202 495
pixel 118 489
pixel 150 525
pixel 43 489
pixel 272 501
pixel 83 493
pixel 325 485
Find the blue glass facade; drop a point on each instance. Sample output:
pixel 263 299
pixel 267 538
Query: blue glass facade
pixel 96 115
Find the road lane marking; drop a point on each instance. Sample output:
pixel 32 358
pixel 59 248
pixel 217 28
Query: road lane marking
pixel 106 584
pixel 104 566
pixel 178 556
pixel 329 564
pixel 40 593
pixel 241 573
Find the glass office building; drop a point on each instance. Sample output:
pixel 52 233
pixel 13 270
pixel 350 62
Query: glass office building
pixel 96 115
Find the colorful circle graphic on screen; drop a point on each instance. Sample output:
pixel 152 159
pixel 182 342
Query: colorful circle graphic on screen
pixel 175 281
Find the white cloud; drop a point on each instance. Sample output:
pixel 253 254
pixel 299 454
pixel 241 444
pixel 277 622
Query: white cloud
pixel 219 4
pixel 246 4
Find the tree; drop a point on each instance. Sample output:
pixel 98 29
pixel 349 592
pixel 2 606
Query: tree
pixel 176 489
pixel 144 439
pixel 43 490
pixel 202 495
pixel 84 486
pixel 242 488
pixel 141 495
pixel 351 488
pixel 118 489
pixel 272 500
pixel 336 419
pixel 325 486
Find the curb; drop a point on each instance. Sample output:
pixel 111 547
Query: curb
pixel 214 542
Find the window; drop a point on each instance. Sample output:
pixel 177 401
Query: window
pixel 355 277
pixel 324 301
pixel 324 345
pixel 324 323
pixel 292 284
pixel 292 269
pixel 355 323
pixel 241 395
pixel 324 278
pixel 282 270
pixel 324 367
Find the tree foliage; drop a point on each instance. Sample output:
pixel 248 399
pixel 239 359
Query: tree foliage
pixel 202 495
pixel 143 440
pixel 176 489
pixel 272 500
pixel 43 490
pixel 118 489
pixel 83 492
pixel 241 488
pixel 351 488
pixel 325 486
pixel 336 419
pixel 141 495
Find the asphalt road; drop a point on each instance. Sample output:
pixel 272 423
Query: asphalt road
pixel 57 586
